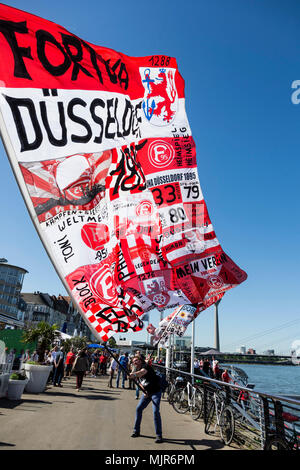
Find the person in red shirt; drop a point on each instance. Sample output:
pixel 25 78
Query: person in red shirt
pixel 69 362
pixel 216 370
pixel 149 360
pixel 225 376
pixel 103 363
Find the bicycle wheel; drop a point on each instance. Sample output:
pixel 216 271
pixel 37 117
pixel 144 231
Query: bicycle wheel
pixel 200 400
pixel 276 443
pixel 196 409
pixel 227 425
pixel 210 417
pixel 170 392
pixel 179 402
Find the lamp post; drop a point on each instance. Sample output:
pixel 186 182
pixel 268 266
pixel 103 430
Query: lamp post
pixel 217 337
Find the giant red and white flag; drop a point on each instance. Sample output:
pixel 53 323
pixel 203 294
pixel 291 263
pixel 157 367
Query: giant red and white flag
pixel 103 154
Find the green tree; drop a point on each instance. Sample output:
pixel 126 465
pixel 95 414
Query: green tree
pixel 76 342
pixel 67 344
pixel 44 334
pixel 112 342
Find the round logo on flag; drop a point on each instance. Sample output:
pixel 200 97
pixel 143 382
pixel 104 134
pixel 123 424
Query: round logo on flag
pixel 160 153
pixel 102 285
pixel 144 209
pixel 160 299
pixel 95 235
pixel 215 282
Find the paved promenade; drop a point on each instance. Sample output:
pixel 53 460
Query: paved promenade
pixel 96 418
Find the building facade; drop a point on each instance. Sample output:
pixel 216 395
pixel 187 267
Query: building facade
pixel 11 282
pixel 182 343
pixel 59 310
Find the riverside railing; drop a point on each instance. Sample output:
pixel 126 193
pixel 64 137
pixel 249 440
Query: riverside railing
pixel 260 420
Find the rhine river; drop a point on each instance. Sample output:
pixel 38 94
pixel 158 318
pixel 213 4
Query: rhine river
pixel 276 380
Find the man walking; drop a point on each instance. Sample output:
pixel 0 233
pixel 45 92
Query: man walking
pixel 150 384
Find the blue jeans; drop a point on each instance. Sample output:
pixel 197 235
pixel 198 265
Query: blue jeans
pixel 143 403
pixel 137 391
pixel 57 375
pixel 124 376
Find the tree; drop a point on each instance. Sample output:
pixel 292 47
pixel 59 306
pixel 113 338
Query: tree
pixel 76 342
pixel 112 342
pixel 67 344
pixel 44 334
pixel 79 342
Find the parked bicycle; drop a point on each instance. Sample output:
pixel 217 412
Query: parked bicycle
pixel 190 398
pixel 222 416
pixel 174 385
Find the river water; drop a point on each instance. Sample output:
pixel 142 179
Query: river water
pixel 276 380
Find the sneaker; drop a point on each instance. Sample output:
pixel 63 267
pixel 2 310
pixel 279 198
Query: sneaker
pixel 135 434
pixel 158 440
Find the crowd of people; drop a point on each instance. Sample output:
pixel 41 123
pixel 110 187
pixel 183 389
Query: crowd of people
pixel 64 364
pixel 133 372
pixel 101 363
pixel 211 368
pixel 81 363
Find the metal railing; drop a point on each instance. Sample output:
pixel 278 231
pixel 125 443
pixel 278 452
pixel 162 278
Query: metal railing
pixel 258 417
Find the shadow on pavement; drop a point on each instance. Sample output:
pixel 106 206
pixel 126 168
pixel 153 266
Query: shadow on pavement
pixel 191 442
pixel 7 444
pixel 81 394
pixel 11 404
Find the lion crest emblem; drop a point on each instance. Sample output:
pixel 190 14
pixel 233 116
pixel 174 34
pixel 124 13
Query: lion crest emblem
pixel 161 98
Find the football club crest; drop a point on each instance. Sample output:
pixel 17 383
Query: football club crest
pixel 161 98
pixel 160 154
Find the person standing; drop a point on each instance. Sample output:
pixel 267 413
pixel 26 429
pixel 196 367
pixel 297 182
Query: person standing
pixel 216 370
pixel 103 359
pixel 93 367
pixel 150 384
pixel 226 377
pixel 70 358
pixel 58 367
pixel 206 366
pixel 113 367
pixel 26 356
pixel 122 370
pixel 34 356
pixel 149 359
pixel 80 366
pixel 131 368
pixel 96 362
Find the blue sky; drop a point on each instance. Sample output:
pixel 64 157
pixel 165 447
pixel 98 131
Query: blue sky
pixel 238 59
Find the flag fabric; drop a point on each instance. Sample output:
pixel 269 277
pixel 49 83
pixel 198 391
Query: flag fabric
pixel 102 150
pixel 175 323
